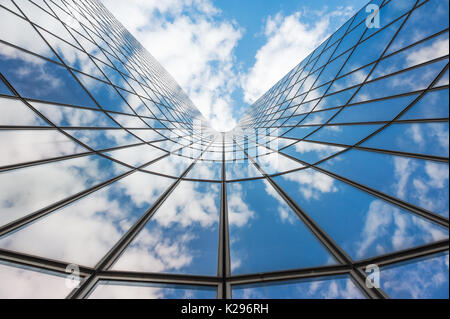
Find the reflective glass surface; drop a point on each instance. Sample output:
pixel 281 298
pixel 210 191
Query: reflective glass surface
pixel 19 282
pixel 423 278
pixel 106 163
pixel 362 225
pixel 182 236
pixel 265 234
pixel 124 290
pixel 84 230
pixel 325 288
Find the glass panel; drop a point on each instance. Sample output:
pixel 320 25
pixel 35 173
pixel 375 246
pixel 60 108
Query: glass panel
pixel 330 71
pixel 419 138
pixel 15 112
pixel 136 103
pixel 341 287
pixel 136 155
pixel 182 236
pixel 352 79
pixel 206 170
pixel 172 165
pixel 47 21
pixel 19 282
pixel 265 234
pixel 8 4
pixel 417 28
pixel 71 116
pixel 344 134
pixel 32 145
pixel 443 80
pixel 23 191
pixel 125 290
pixel 433 105
pixel 300 132
pixel 19 32
pixel 412 80
pixel 362 225
pixel 85 230
pixel 274 163
pixel 371 49
pixel 4 89
pixel 390 11
pixel 311 152
pixel 336 99
pixel 104 94
pixel 115 77
pixel 147 135
pixel 37 78
pixel 128 121
pixel 241 169
pixel 384 110
pixel 101 139
pixel 350 39
pixel 319 117
pixel 72 56
pixel 426 278
pixel 423 52
pixel 422 183
pixel 92 49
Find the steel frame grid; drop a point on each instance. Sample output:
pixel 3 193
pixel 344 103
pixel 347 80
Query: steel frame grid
pixel 224 279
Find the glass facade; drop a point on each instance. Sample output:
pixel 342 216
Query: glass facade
pixel 110 174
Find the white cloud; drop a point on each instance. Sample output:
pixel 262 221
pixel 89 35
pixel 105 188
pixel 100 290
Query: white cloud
pixel 239 213
pixel 312 183
pixel 289 40
pixel 436 49
pixel 389 229
pixel 27 283
pixel 196 49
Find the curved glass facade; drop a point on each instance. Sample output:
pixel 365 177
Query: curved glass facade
pixel 113 185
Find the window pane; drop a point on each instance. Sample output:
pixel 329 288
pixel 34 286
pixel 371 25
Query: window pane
pixel 241 169
pixel 311 152
pixel 419 138
pixel 182 236
pixel 341 287
pixel 15 112
pixel 85 230
pixel 417 279
pixel 19 282
pixel 422 183
pixel 71 116
pixel 101 139
pixel 23 191
pixel 37 78
pixel 265 234
pixel 136 155
pixel 124 290
pixel 361 224
pixel 19 32
pixel 206 170
pixel 172 165
pixel 32 145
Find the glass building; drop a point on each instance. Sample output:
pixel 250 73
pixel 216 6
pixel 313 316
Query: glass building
pixel 334 184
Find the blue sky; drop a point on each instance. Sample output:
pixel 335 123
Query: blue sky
pixel 225 54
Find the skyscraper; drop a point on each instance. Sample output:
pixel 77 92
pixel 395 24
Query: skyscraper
pixel 334 184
